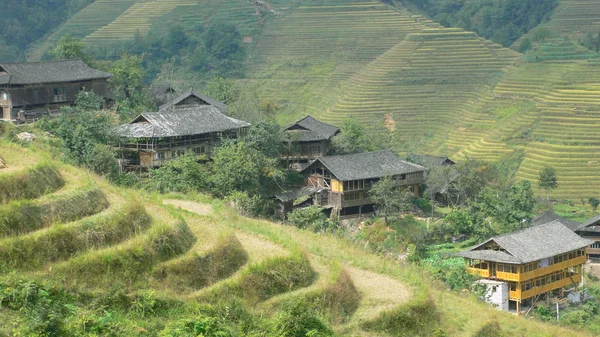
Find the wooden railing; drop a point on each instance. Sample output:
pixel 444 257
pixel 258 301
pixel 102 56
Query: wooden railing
pixel 60 98
pixel 520 277
pixel 521 295
pixel 485 273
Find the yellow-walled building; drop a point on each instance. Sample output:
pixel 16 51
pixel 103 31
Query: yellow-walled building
pixel 529 263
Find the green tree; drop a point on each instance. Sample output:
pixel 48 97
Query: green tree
pixel 520 204
pixel 547 180
pixel 127 75
pixel 390 198
pixel 87 100
pixel 81 131
pixel 439 182
pixel 238 166
pixel 594 202
pixel 183 174
pixel 353 138
pixel 68 48
pixel 223 90
pixel 265 137
pixel 525 45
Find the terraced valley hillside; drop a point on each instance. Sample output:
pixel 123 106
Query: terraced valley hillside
pixel 448 91
pixel 80 256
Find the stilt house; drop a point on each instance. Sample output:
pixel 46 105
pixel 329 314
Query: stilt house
pixel 591 230
pixel 192 122
pixel 307 140
pixel 520 267
pixel 342 183
pixel 30 90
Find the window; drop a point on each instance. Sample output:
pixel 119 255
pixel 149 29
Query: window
pixel 315 149
pixel 36 94
pixel 199 150
pixel 59 91
pixel 4 95
pixel 354 185
pixel 352 196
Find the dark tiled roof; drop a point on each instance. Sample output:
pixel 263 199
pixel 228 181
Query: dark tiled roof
pixel 591 225
pixel 530 244
pixel 209 100
pixel 550 216
pixel 296 194
pixel 429 161
pixel 182 121
pixel 490 255
pixel 367 165
pixel 309 129
pixel 49 72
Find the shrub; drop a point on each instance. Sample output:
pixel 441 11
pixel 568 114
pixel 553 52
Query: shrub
pixel 251 205
pixel 451 271
pixel 183 175
pixel 307 217
pixel 297 319
pixel 201 325
pixel 102 161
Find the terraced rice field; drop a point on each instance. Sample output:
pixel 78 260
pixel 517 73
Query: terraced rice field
pixel 573 17
pixel 431 83
pixel 180 249
pixel 559 130
pixel 302 56
pixel 96 15
pixel 137 18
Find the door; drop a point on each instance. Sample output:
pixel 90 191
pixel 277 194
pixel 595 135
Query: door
pixel 493 269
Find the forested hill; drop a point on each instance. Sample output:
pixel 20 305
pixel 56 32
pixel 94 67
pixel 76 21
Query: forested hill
pixel 24 22
pixel 502 21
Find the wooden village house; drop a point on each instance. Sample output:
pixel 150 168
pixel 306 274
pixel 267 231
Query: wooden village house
pixel 342 183
pixel 192 122
pixel 518 268
pixel 591 230
pixel 430 161
pixel 29 90
pixel 306 140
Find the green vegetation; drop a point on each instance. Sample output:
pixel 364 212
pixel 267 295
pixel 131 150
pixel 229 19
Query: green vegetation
pixel 502 21
pixel 23 216
pixel 196 272
pixel 418 318
pixel 175 273
pixel 34 182
pixel 26 22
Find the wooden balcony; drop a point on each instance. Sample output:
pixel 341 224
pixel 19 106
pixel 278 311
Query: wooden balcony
pixel 520 277
pixel 521 295
pixel 485 273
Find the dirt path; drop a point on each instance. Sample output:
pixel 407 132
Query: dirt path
pixel 192 206
pixel 379 293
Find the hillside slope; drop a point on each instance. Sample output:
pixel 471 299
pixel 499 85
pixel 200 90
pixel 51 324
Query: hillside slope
pixel 446 91
pixel 147 265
